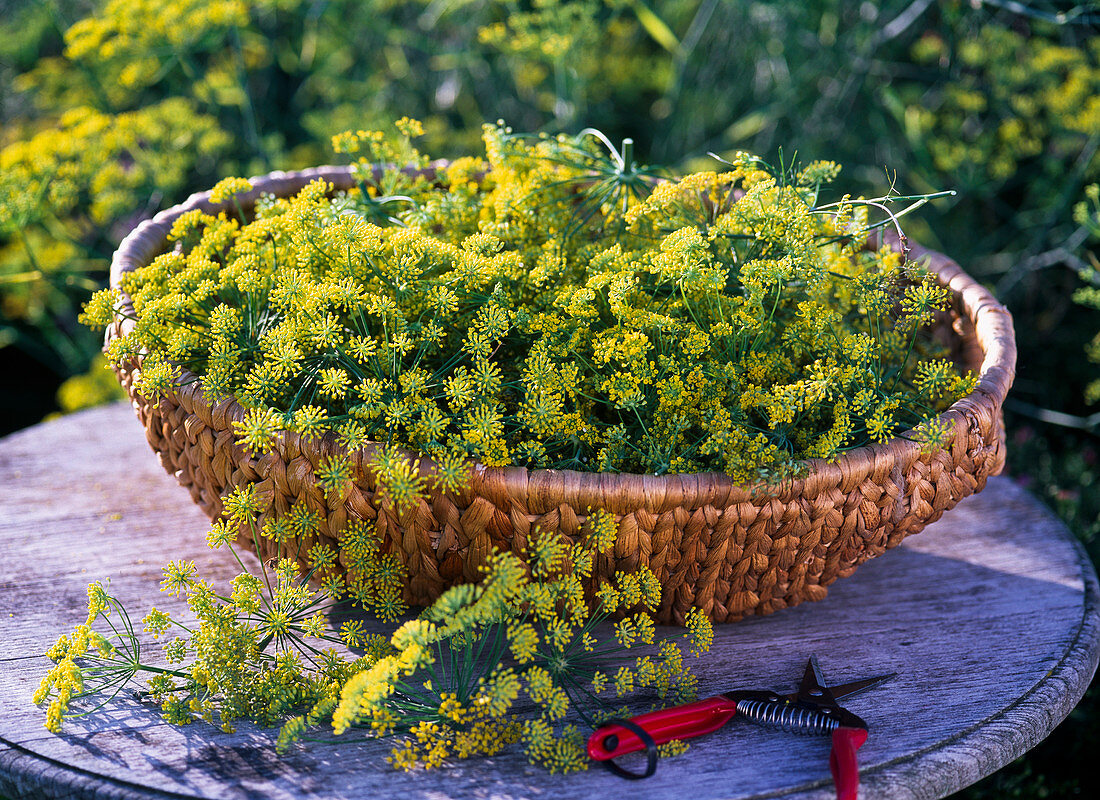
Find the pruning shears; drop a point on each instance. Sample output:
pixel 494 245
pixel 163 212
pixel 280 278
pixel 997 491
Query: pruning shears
pixel 813 710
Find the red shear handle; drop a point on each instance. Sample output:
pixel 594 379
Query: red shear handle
pixel 843 763
pixel 680 722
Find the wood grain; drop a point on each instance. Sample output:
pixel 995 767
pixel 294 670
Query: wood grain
pixel 990 617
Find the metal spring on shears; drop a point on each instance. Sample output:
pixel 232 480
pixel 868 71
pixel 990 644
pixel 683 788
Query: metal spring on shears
pixel 786 717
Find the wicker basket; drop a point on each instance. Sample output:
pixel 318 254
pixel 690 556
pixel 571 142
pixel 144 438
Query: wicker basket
pixel 722 546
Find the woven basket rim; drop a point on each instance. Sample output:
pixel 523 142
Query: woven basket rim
pixel 612 490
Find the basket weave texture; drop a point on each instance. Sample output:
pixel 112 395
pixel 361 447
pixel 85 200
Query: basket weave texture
pixel 728 548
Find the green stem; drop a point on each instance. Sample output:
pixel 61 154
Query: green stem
pixel 162 671
pixel 248 110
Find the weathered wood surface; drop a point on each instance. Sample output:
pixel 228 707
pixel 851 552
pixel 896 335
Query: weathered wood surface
pixel 990 617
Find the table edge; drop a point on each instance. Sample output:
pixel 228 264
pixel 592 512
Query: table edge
pixel 25 774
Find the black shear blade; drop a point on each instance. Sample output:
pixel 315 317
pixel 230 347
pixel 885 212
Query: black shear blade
pixel 855 687
pixel 813 688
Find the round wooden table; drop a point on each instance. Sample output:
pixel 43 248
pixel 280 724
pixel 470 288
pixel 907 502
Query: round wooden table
pixel 989 617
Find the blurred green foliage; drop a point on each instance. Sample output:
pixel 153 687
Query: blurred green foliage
pixel 112 110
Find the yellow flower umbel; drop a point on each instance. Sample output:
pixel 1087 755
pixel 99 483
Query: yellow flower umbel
pixel 261 653
pixel 456 673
